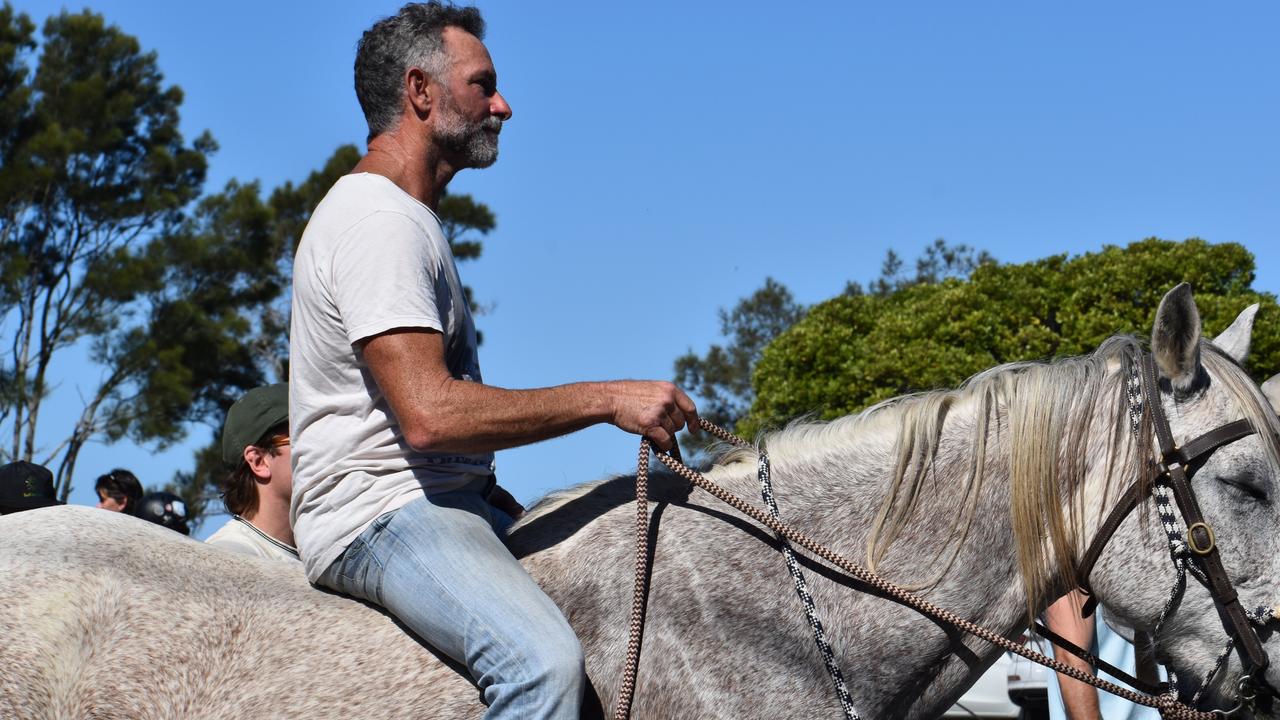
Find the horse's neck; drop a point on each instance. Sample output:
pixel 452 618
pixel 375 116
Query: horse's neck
pixel 836 492
pixel 711 565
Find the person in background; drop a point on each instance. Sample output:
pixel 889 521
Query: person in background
pixel 1070 699
pixel 25 486
pixel 119 491
pixel 164 508
pixel 255 443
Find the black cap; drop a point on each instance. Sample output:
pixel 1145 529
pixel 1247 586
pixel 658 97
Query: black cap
pixel 26 486
pixel 261 409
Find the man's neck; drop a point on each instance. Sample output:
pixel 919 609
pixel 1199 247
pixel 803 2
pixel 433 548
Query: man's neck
pixel 413 164
pixel 273 519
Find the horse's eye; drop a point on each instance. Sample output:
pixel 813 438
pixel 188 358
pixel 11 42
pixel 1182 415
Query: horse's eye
pixel 1247 486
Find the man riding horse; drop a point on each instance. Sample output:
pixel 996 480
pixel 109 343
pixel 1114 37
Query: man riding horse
pixel 393 431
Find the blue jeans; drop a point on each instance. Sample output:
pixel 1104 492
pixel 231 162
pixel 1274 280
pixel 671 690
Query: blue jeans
pixel 438 565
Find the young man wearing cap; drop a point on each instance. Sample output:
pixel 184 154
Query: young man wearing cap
pixel 255 441
pixel 25 486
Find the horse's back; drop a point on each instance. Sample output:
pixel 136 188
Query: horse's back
pixel 106 616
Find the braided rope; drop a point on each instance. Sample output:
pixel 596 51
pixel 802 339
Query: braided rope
pixel 802 589
pixel 1168 704
pixel 627 689
pixel 1133 389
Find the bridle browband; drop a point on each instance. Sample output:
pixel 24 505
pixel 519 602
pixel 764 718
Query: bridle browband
pixel 1174 470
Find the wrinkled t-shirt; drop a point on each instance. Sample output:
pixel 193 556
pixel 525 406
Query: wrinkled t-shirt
pixel 371 259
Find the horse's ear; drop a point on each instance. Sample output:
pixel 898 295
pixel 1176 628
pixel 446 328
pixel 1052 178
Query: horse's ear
pixel 1234 341
pixel 1271 388
pixel 1175 340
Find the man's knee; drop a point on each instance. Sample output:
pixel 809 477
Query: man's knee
pixel 559 662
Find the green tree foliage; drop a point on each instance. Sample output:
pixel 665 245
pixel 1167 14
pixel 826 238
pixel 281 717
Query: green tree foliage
pixel 461 220
pixel 93 177
pixel 856 350
pixel 722 378
pixel 938 262
pixel 289 207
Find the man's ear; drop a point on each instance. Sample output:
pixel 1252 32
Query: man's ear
pixel 256 458
pixel 417 90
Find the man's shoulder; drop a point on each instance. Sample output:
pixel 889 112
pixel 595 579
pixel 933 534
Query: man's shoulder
pixel 364 197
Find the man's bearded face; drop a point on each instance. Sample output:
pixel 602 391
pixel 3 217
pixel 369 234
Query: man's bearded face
pixel 469 143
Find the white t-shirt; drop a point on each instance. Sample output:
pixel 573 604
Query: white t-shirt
pixel 240 536
pixel 372 259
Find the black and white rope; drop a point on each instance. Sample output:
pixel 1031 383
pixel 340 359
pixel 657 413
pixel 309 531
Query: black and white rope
pixel 1169 520
pixel 1179 552
pixel 1259 616
pixel 802 589
pixel 1134 390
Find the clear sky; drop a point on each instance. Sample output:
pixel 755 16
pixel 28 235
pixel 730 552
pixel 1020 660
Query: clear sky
pixel 665 157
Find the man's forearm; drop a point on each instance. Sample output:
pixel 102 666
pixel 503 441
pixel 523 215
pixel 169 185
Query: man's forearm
pixel 439 413
pixel 1063 617
pixel 464 416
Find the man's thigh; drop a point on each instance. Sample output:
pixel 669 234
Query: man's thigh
pixel 447 575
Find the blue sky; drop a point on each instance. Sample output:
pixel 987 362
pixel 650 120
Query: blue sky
pixel 664 158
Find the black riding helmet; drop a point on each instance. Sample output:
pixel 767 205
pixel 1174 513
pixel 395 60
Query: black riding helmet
pixel 164 508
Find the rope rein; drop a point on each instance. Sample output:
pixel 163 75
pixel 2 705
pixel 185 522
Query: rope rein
pixel 1168 705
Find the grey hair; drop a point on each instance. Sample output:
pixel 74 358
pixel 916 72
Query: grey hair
pixel 413 37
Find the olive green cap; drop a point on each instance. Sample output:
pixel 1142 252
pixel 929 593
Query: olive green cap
pixel 260 409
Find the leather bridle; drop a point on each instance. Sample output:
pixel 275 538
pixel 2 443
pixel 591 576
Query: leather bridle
pixel 1175 468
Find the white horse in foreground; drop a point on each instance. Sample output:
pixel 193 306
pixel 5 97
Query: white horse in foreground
pixel 983 497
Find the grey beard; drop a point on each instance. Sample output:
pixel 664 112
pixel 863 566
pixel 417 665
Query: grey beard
pixel 471 144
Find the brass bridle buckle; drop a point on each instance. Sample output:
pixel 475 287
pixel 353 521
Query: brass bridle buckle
pixel 1194 544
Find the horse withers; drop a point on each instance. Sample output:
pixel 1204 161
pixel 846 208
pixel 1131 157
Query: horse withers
pixel 982 498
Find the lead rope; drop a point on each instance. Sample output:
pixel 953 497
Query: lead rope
pixel 1168 705
pixel 627 689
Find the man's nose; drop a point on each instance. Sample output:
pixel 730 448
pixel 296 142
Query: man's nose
pixel 498 106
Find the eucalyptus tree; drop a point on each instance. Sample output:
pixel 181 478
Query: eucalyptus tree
pixel 99 255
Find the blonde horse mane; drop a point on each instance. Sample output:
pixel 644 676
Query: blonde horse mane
pixel 1049 412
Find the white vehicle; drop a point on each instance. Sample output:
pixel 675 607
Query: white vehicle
pixel 989 697
pixel 1029 682
pixel 1013 688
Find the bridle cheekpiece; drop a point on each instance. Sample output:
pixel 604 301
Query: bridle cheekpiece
pixel 1196 553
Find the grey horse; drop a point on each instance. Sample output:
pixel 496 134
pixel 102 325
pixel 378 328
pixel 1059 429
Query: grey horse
pixel 981 498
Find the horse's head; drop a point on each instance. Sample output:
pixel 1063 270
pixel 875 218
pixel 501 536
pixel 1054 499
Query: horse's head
pixel 1237 488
